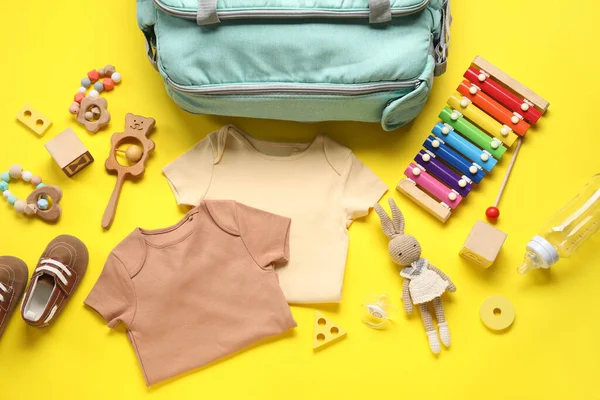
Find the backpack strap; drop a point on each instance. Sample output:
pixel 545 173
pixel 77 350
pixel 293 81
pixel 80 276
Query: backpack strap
pixel 379 11
pixel 207 12
pixel 439 50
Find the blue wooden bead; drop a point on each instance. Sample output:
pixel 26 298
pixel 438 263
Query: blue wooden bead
pixel 43 204
pixel 5 176
pixel 40 185
pixel 12 199
pixel 86 82
pixel 99 86
pixel 3 186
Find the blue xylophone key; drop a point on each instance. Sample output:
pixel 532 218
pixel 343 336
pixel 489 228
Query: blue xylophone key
pixel 453 159
pixel 480 157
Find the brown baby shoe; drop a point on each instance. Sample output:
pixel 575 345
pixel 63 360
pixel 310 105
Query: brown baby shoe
pixel 13 279
pixel 54 280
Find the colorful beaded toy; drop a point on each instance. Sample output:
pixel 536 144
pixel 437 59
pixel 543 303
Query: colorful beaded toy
pixel 97 116
pixel 32 205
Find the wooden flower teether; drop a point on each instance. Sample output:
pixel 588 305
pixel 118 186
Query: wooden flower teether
pixel 137 128
pixel 88 105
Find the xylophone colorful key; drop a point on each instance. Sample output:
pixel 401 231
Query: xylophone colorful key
pixel 490 125
pixel 444 194
pixel 473 133
pixel 428 161
pixel 493 108
pixel 503 96
pixel 453 159
pixel 506 90
pixel 462 145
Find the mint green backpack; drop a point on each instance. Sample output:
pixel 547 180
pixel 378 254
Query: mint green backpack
pixel 299 60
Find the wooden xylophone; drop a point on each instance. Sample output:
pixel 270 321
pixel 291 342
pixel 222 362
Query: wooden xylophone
pixel 488 114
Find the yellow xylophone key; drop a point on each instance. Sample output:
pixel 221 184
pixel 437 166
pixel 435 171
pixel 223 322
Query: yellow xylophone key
pixel 481 119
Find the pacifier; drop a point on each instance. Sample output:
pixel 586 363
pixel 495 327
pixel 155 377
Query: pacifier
pixel 376 312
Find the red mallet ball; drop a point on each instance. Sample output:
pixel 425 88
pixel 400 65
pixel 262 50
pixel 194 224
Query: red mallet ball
pixel 78 97
pixel 93 75
pixel 109 84
pixel 492 213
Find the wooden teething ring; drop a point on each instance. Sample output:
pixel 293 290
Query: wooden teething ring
pixel 53 213
pixel 133 130
pixel 103 119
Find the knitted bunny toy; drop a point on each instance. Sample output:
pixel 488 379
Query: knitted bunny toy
pixel 424 284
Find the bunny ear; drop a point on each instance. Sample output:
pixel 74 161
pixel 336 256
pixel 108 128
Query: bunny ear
pixel 397 216
pixel 386 222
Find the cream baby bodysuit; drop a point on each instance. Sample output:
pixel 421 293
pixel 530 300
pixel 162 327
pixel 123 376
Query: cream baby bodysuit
pixel 320 185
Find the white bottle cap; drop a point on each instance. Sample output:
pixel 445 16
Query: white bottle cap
pixel 544 250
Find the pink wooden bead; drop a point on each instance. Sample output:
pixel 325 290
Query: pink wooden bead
pixel 74 109
pixel 36 180
pixel 109 84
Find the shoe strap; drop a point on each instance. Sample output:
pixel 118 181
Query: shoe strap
pixel 6 297
pixel 64 276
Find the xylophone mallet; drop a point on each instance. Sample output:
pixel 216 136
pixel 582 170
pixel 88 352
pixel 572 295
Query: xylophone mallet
pixel 492 213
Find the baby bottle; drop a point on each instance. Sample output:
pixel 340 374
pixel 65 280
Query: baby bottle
pixel 562 234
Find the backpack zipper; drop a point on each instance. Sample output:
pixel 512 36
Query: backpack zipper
pixel 295 88
pixel 291 13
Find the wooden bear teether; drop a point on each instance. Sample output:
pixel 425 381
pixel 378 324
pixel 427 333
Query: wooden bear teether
pixel 137 128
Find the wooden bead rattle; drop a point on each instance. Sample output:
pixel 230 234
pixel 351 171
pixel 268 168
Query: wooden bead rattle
pixel 32 205
pixel 133 153
pixel 137 128
pixel 91 111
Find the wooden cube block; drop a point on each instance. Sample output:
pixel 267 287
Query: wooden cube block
pixel 69 152
pixel 483 244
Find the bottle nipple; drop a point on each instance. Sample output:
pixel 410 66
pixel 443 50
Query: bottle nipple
pixel 530 261
pixel 539 254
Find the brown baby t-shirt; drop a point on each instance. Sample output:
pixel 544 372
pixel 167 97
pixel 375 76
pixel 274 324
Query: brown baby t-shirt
pixel 199 290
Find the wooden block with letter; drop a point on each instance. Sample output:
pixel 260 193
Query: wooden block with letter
pixel 69 152
pixel 483 244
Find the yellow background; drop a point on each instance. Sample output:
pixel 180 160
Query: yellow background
pixel 552 350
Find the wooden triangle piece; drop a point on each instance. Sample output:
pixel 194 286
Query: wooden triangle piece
pixel 326 331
